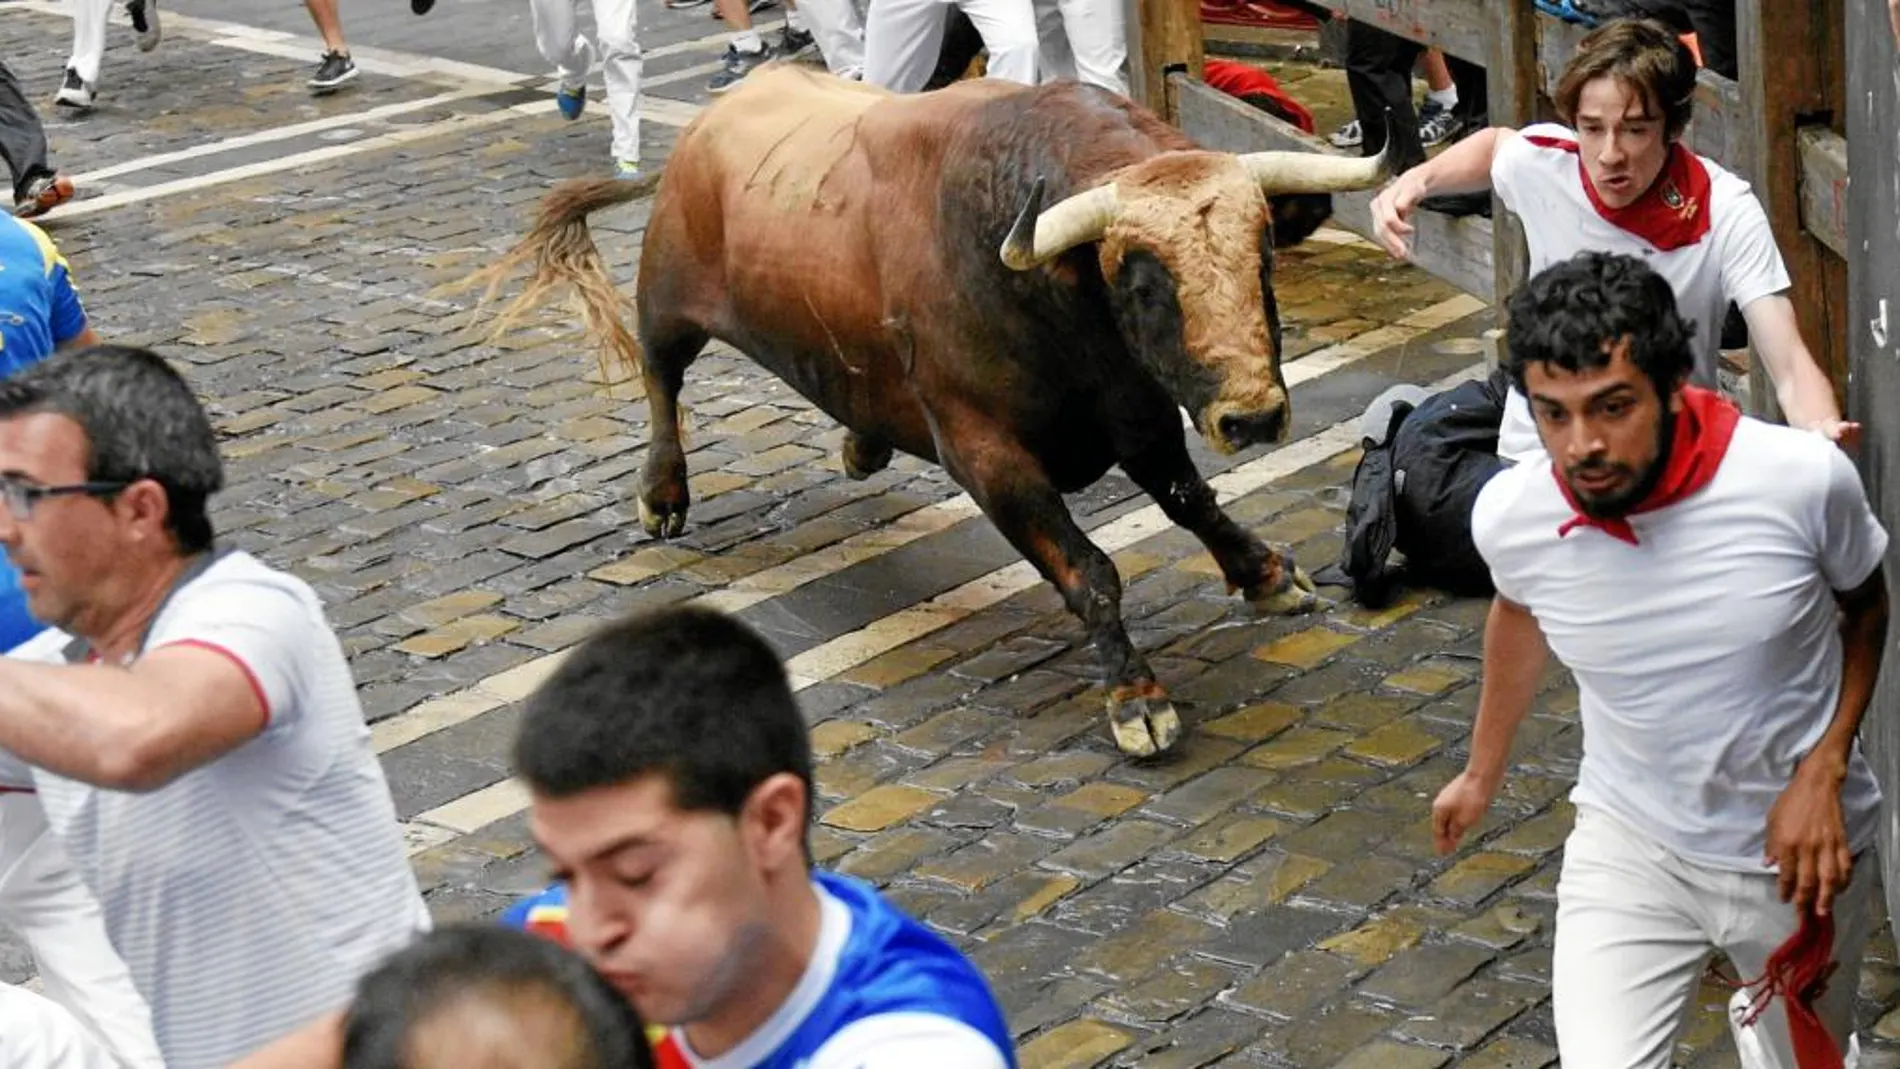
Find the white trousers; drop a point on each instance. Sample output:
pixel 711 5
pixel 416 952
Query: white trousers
pixel 42 899
pixel 902 39
pixel 1636 924
pixel 558 36
pixel 1084 40
pixel 89 38
pixel 839 31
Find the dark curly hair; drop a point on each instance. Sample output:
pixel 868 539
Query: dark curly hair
pixel 1570 314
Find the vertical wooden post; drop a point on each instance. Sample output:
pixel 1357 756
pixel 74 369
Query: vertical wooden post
pixel 1873 346
pixel 1789 55
pixel 1512 85
pixel 1164 36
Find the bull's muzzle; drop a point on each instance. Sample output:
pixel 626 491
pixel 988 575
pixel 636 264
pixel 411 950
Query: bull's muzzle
pixel 1231 428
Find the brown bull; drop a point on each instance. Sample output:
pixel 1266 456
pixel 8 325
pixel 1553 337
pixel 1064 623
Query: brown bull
pixel 891 259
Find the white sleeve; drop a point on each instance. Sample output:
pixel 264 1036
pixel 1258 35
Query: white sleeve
pixel 36 1033
pixel 1849 538
pixel 908 1041
pixel 1750 259
pixel 1507 163
pixel 1486 520
pixel 262 627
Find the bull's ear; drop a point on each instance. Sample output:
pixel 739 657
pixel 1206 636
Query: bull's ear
pixel 1038 236
pixel 1297 215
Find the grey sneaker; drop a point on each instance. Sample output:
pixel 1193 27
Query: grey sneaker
pixel 144 15
pixel 1436 124
pixel 336 69
pixel 1348 136
pixel 738 65
pixel 793 43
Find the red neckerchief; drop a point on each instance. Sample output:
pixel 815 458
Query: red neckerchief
pixel 1798 971
pixel 1703 429
pixel 1672 213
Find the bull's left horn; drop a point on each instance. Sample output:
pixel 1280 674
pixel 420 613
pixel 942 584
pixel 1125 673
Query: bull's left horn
pixel 1318 172
pixel 1039 236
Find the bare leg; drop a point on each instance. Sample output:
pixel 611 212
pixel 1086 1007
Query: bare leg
pixel 329 24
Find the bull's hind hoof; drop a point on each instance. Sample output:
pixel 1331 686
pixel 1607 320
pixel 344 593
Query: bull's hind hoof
pixel 865 456
pixel 1294 595
pixel 662 521
pixel 1142 721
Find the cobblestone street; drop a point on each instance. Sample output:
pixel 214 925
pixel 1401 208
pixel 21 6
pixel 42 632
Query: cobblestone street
pixel 1266 897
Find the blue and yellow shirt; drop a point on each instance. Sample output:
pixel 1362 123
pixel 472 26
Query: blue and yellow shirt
pixel 39 308
pixel 39 312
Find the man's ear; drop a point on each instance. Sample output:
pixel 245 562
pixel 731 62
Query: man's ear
pixel 146 503
pixel 772 822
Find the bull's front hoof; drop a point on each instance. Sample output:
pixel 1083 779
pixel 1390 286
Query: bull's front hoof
pixel 864 456
pixel 1142 721
pixel 1295 594
pixel 662 520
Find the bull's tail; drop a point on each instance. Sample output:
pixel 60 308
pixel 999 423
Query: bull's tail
pixel 562 253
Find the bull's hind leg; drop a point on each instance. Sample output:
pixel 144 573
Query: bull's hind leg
pixel 1010 486
pixel 665 355
pixel 1268 579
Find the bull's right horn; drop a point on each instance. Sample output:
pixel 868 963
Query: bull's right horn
pixel 1039 236
pixel 1319 172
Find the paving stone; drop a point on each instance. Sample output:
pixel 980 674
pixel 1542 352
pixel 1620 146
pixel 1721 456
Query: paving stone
pixel 1472 1012
pixel 458 634
pixel 1081 809
pixel 1256 723
pixel 1329 1034
pixel 1111 850
pixel 1208 796
pixel 1199 1040
pixel 1173 991
pixel 895 851
pixel 1231 838
pixel 987 860
pixel 1116 904
pixel 1076 1045
pixel 1294 984
pixel 1305 649
pixel 1511 1052
pixel 1385 1054
pixel 1301 745
pixel 834 737
pixel 879 808
pixel 1145 944
pixel 1422 975
pixel 1395 745
pixel 1477 876
pixel 1259 937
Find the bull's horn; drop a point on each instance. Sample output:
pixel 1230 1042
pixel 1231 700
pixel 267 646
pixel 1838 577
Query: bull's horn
pixel 1317 172
pixel 1039 236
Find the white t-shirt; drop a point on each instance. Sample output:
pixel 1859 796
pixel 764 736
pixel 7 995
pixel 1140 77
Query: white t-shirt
pixel 37 1033
pixel 1736 261
pixel 1707 656
pixel 248 895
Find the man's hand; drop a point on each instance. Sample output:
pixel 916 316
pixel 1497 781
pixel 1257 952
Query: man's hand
pixel 1458 808
pixel 1807 836
pixel 1391 216
pixel 1841 432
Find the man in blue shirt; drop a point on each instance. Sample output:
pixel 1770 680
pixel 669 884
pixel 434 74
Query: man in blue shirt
pixel 40 313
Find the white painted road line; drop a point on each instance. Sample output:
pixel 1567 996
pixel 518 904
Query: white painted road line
pixel 506 798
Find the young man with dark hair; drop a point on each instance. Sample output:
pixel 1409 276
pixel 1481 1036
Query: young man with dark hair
pixel 1714 583
pixel 192 728
pixel 474 995
pixel 1617 178
pixel 671 777
pixel 669 774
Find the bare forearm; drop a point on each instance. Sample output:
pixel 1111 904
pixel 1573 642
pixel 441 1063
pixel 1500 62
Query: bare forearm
pixel 1863 638
pixel 1514 659
pixel 318 1045
pixel 1463 168
pixel 1806 396
pixel 50 724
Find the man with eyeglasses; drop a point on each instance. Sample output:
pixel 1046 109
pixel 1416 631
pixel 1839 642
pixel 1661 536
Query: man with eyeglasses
pixel 189 718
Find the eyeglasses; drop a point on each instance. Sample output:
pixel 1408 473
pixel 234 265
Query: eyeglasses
pixel 19 496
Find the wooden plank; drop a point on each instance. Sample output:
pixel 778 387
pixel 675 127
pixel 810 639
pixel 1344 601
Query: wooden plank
pixel 1718 100
pixel 1456 250
pixel 1164 37
pixel 1512 91
pixel 1873 346
pixel 1460 27
pixel 1787 54
pixel 1824 187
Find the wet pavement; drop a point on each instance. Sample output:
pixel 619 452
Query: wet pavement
pixel 1267 896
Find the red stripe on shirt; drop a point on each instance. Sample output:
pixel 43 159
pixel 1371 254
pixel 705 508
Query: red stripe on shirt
pixel 257 688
